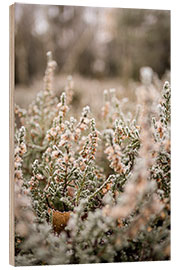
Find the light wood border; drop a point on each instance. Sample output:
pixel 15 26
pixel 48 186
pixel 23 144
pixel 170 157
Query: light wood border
pixel 11 134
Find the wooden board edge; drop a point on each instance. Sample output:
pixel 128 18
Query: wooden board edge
pixel 11 134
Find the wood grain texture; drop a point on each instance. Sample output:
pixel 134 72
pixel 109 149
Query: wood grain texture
pixel 11 135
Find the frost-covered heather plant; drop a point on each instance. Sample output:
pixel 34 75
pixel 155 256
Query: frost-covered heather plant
pixel 39 116
pixel 70 209
pixel 161 169
pixel 122 141
pixel 20 150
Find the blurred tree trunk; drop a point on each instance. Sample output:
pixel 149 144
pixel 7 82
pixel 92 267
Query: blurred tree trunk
pixel 78 48
pixel 21 68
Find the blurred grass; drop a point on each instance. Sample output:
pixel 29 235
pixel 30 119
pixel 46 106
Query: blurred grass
pixel 87 91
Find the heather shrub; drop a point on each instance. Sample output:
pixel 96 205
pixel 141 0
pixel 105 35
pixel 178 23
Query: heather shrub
pixel 85 195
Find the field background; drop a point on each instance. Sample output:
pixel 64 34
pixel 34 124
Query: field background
pixel 101 48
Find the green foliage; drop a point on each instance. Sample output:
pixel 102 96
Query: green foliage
pixel 77 213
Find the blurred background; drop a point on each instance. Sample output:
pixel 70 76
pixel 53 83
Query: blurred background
pixel 100 47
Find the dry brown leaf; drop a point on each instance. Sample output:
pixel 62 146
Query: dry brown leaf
pixel 60 220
